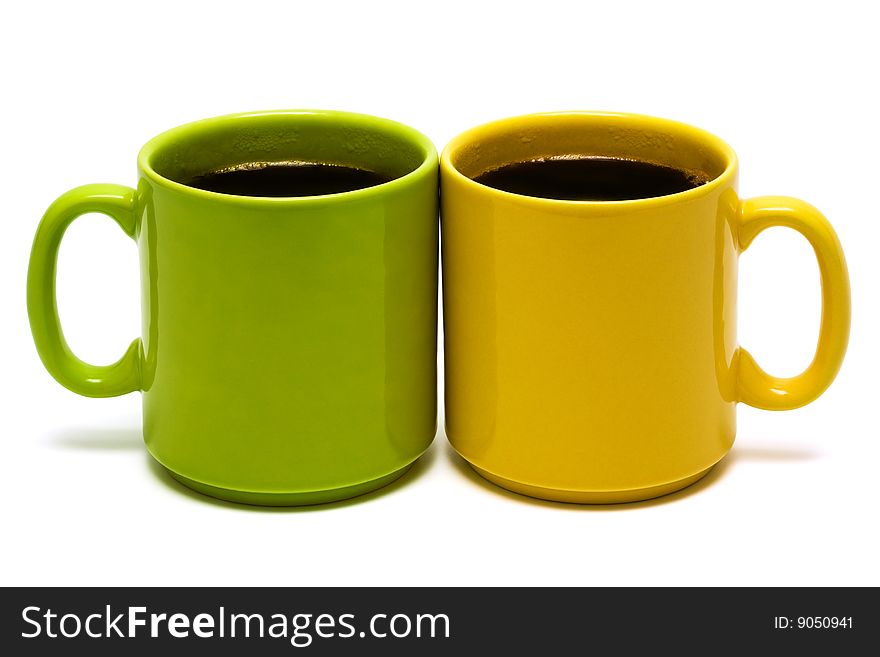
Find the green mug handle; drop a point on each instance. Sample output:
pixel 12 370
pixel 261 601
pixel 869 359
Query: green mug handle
pixel 123 376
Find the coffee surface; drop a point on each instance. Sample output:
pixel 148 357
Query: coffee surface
pixel 590 178
pixel 285 179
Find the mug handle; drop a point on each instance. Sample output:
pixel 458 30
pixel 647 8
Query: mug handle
pixel 756 387
pixel 123 376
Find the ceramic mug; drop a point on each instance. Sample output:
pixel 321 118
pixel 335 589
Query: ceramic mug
pixel 289 344
pixel 590 347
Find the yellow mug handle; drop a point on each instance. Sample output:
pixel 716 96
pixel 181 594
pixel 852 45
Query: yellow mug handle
pixel 755 386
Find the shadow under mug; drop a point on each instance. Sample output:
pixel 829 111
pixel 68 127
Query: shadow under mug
pixel 288 352
pixel 590 346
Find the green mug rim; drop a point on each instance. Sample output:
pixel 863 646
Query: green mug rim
pixel 429 165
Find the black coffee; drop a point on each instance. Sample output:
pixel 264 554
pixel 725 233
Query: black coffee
pixel 287 179
pixel 590 178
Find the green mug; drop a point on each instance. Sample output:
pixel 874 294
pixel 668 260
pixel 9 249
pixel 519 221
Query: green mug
pixel 289 344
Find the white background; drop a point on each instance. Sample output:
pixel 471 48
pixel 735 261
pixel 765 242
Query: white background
pixel 791 86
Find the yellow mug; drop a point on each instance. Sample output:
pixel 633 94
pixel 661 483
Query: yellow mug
pixel 590 346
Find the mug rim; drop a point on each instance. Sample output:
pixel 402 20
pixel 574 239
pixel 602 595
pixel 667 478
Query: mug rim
pixel 168 138
pixel 726 177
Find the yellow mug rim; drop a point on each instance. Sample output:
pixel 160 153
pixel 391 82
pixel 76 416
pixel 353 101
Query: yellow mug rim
pixel 718 145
